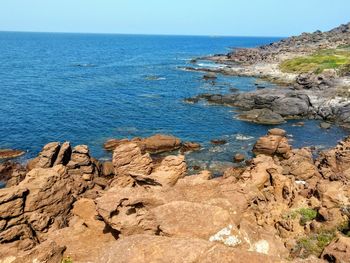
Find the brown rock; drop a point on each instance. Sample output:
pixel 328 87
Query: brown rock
pixel 142 248
pixel 127 158
pixel 272 144
pixel 10 154
pixel 188 219
pixel 171 169
pixel 128 210
pixel 64 154
pixel 48 155
pixel 277 132
pixel 338 251
pixel 190 146
pixel 218 142
pixel 239 157
pixel 160 143
pixel 111 144
pixel 107 169
pixel 48 252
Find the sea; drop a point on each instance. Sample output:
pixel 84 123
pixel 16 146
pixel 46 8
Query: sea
pixel 87 88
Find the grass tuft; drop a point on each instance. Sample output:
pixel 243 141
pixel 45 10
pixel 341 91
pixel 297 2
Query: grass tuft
pixel 338 59
pixel 67 260
pixel 315 243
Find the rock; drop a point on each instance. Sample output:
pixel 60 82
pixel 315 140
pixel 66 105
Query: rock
pixel 111 144
pixel 335 163
pixel 218 142
pixel 299 124
pixel 233 172
pixel 11 173
pixel 277 132
pixel 171 169
pixel 299 163
pixel 127 158
pixel 64 154
pixel 210 76
pixel 239 157
pixel 48 252
pixel 188 219
pixel 107 169
pixel 128 210
pixel 338 250
pixel 190 146
pixel 10 154
pixel 143 248
pixel 272 144
pixel 40 202
pixel 48 155
pixel 262 116
pixel 325 125
pixel 160 143
pixel 258 173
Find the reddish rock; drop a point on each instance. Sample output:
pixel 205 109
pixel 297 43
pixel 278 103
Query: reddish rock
pixel 272 144
pixel 10 154
pixel 128 158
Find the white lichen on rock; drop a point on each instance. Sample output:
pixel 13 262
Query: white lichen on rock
pixel 261 246
pixel 225 236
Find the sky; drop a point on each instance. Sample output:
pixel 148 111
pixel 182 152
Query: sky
pixel 174 17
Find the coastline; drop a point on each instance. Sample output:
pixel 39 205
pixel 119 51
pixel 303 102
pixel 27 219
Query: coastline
pixel 276 204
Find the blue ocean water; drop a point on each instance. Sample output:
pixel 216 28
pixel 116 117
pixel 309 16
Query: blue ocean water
pixel 86 88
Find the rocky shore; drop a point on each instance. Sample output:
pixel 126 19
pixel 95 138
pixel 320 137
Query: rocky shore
pixel 321 93
pixel 283 206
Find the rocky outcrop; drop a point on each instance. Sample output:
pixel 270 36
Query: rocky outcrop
pixel 141 248
pixel 128 158
pixel 11 173
pixel 281 206
pixel 303 44
pixel 275 143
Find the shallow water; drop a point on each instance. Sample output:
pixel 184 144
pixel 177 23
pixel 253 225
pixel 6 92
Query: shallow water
pixel 88 88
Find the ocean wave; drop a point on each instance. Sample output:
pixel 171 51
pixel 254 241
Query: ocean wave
pixel 241 137
pixel 155 78
pixel 210 65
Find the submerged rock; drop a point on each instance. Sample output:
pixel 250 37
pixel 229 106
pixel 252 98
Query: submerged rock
pixel 262 116
pixel 209 76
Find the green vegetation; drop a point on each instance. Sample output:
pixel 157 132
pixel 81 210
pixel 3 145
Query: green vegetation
pixel 67 260
pixel 306 215
pixel 338 59
pixel 315 243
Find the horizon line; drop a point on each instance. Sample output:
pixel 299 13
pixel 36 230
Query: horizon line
pixel 135 34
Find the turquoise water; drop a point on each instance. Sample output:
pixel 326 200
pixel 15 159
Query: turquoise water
pixel 86 88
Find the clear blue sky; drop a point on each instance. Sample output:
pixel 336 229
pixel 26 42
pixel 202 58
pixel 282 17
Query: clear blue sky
pixel 185 17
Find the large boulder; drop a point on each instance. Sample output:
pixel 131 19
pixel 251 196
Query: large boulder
pixel 160 143
pixel 128 158
pixel 171 169
pixel 52 154
pixel 275 143
pixel 128 210
pixel 155 144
